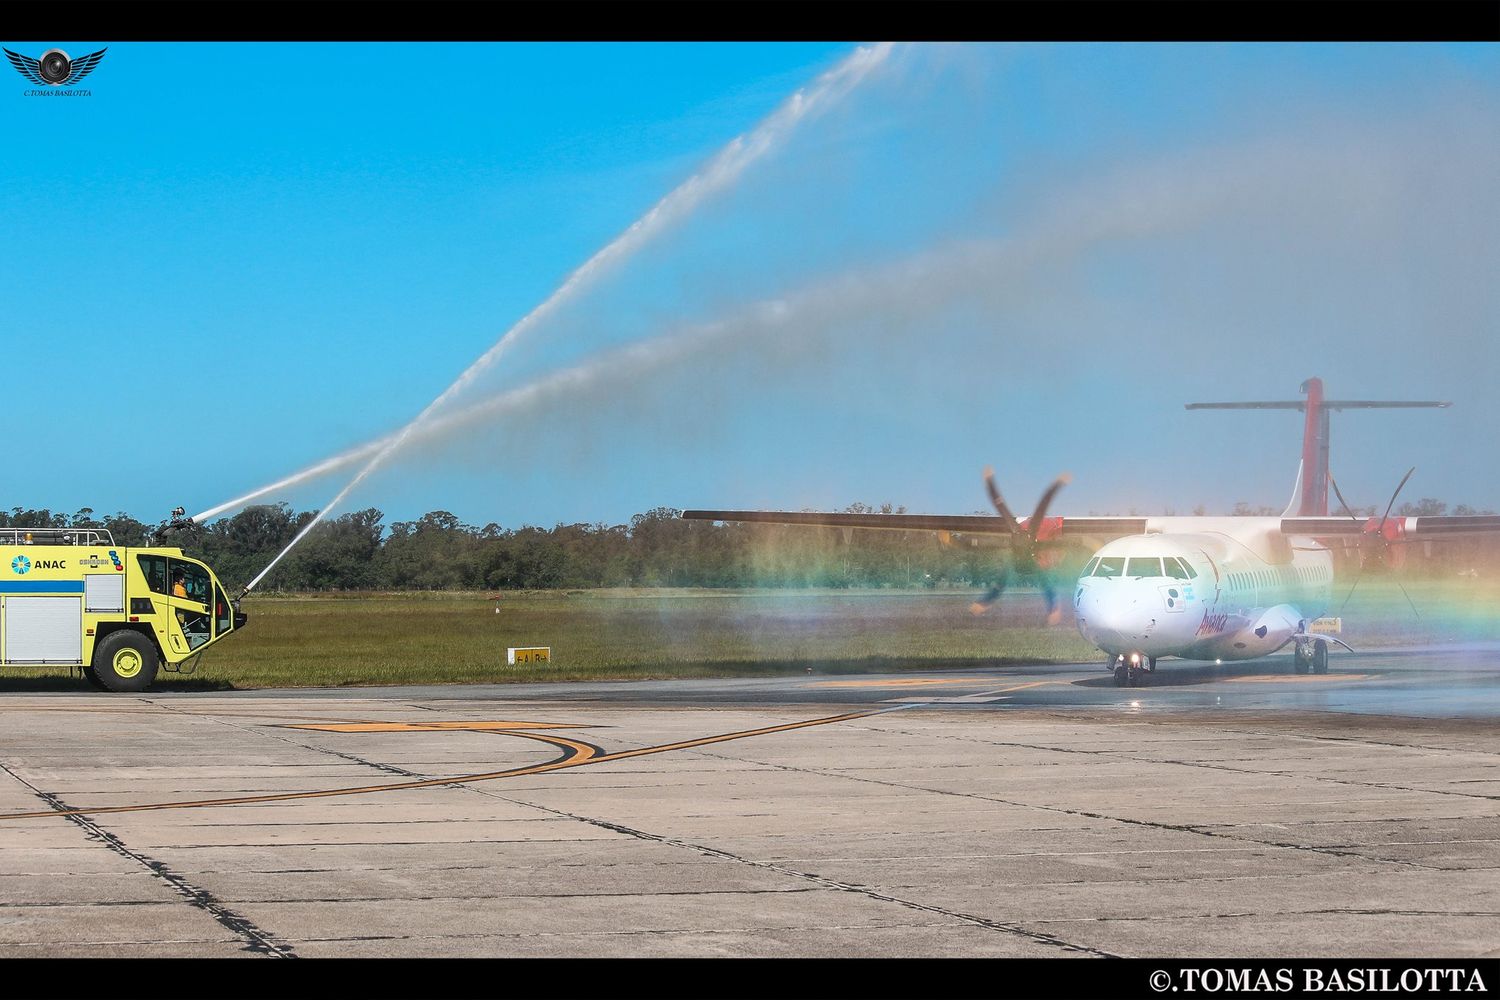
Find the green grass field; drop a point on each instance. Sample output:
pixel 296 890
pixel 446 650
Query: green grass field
pixel 331 640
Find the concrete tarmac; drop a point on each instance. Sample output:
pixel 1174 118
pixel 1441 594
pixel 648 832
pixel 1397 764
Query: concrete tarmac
pixel 1232 810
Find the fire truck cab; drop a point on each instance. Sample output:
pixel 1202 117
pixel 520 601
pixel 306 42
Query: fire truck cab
pixel 71 597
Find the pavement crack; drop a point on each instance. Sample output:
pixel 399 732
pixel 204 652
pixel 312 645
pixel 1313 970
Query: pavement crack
pixel 1364 740
pixel 256 939
pixel 969 918
pixel 828 883
pixel 1150 824
pixel 1212 766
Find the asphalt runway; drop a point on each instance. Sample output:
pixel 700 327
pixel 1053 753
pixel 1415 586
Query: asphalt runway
pixel 1012 811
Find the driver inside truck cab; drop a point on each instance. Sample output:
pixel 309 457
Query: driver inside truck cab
pixel 179 589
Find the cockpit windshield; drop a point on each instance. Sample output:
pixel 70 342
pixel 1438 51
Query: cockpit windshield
pixel 1110 566
pixel 1141 567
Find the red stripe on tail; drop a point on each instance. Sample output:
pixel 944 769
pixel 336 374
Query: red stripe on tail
pixel 1314 452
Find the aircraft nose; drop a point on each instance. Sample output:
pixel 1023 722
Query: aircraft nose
pixel 1129 615
pixel 1115 613
pixel 1111 613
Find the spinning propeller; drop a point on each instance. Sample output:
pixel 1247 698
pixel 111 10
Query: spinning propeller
pixel 1374 542
pixel 1030 554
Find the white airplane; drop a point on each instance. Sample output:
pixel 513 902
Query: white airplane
pixel 1197 588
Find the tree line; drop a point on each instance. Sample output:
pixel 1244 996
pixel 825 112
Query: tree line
pixel 358 551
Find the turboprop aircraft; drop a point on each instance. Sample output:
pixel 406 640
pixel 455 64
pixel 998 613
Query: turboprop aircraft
pixel 1197 588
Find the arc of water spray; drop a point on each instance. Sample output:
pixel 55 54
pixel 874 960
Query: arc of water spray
pixel 1133 205
pixel 724 169
pixel 634 359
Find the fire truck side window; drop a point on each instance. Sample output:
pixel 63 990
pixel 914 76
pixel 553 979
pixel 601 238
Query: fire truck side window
pixel 155 570
pixel 191 581
pixel 194 581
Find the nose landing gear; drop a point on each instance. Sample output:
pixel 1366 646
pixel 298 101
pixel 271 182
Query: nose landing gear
pixel 1131 670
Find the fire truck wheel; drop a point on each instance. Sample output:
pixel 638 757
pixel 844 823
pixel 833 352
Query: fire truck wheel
pixel 125 661
pixel 92 678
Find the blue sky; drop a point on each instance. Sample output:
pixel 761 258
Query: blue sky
pixel 231 261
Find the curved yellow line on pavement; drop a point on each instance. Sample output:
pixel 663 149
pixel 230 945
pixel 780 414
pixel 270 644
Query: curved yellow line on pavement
pixel 576 754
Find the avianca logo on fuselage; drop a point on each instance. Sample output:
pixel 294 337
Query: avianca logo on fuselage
pixel 1213 624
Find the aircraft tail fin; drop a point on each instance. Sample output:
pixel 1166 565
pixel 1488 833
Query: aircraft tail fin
pixel 1294 505
pixel 1314 483
pixel 1310 498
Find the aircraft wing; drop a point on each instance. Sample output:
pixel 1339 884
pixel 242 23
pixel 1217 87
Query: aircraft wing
pixel 973 524
pixel 1420 528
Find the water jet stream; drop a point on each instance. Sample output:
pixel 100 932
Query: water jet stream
pixel 723 170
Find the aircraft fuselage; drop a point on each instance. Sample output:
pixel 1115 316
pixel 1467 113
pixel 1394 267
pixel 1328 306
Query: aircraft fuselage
pixel 1223 589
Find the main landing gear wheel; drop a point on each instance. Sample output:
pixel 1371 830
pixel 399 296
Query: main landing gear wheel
pixel 1320 657
pixel 1301 657
pixel 1122 674
pixel 125 661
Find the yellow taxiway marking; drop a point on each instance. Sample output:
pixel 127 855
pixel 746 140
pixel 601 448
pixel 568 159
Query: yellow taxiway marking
pixel 575 754
pixel 428 727
pixel 1294 678
pixel 1021 687
pixel 977 696
pixel 900 682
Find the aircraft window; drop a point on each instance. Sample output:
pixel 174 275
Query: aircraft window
pixel 1089 569
pixel 1110 566
pixel 1140 567
pixel 1174 568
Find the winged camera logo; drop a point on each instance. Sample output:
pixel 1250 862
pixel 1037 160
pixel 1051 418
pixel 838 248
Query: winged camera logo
pixel 55 71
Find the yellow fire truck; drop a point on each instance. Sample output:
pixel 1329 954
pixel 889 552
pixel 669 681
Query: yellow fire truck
pixel 71 597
